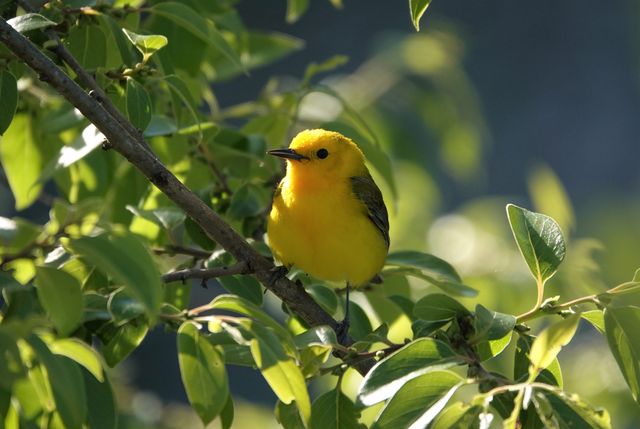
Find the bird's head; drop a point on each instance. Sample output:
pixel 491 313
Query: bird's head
pixel 320 155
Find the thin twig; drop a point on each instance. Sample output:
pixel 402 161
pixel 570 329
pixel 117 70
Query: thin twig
pixel 206 273
pixel 172 249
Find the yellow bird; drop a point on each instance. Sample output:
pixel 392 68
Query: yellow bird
pixel 328 217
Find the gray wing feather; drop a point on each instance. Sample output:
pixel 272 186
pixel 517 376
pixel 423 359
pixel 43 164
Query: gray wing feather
pixel 366 190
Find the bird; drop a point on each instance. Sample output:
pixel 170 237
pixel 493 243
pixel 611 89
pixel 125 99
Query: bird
pixel 328 217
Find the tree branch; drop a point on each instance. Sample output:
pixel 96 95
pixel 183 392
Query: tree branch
pixel 126 143
pixel 206 273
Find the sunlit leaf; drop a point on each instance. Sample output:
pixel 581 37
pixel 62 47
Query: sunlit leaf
pixel 279 369
pixel 552 374
pixel 146 44
pixel 539 239
pixel 457 416
pixel 417 9
pixel 548 344
pixel 596 318
pixel 390 374
pixel 21 160
pixel 81 353
pixel 119 342
pixel 295 9
pixel 30 22
pixel 66 382
pixel 203 373
pixel 549 196
pixel 415 398
pixel 621 325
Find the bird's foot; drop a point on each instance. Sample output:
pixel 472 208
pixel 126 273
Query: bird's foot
pixel 342 330
pixel 276 274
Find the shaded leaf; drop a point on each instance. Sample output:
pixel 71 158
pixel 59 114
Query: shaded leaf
pixel 9 97
pixel 539 239
pixel 551 375
pixel 88 45
pixel 138 104
pixel 160 125
pixel 390 374
pixel 437 306
pixel 101 403
pixel 295 9
pixel 120 342
pixel 203 373
pixel 61 296
pixel 333 410
pixel 244 286
pixel 11 367
pixel 127 260
pixel 572 412
pixel 288 416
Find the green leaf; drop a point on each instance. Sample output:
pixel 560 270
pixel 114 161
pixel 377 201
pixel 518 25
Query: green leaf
pixel 288 416
pixel 333 410
pixel 188 19
pixel 621 326
pixel 80 352
pixel 90 139
pixel 331 64
pixel 67 384
pixel 417 9
pixel 430 268
pixel 88 44
pixel 16 234
pixel 266 48
pixel 160 125
pixel 572 412
pixel 295 9
pixel 147 45
pixel 437 306
pixel 30 22
pixel 493 332
pixel 242 306
pixel 325 296
pixel 203 373
pixel 549 196
pixel 138 104
pixel 124 308
pixel 539 239
pixel 120 342
pixel 596 318
pixel 552 375
pixel 415 359
pixel 415 398
pixel 312 358
pixel 21 160
pixel 279 369
pixel 101 403
pixel 11 366
pixel 9 97
pixel 457 416
pixel 323 335
pixel 61 296
pixel 127 260
pixel 548 344
pixel 244 286
pixel 227 414
pixel 360 325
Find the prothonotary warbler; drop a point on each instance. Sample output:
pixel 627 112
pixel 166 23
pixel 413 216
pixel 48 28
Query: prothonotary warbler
pixel 328 217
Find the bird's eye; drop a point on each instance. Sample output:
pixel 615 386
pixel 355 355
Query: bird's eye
pixel 322 153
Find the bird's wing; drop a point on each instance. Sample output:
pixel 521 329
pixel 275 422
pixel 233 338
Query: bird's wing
pixel 366 190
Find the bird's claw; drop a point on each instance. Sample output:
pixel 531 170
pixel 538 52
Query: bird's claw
pixel 342 330
pixel 276 273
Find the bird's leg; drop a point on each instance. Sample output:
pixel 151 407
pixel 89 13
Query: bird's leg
pixel 276 274
pixel 342 330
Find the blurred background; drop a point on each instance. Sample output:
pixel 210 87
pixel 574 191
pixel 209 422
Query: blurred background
pixel 534 103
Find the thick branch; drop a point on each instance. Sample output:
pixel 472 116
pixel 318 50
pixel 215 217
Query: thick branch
pixel 206 273
pixel 121 140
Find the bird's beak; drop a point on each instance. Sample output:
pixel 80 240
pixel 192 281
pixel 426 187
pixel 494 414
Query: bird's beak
pixel 287 153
